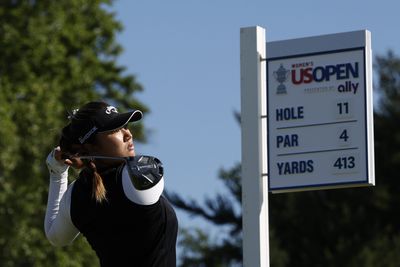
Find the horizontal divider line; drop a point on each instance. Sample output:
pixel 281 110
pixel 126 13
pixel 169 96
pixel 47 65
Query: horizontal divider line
pixel 316 151
pixel 315 124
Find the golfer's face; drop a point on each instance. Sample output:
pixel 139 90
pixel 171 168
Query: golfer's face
pixel 117 143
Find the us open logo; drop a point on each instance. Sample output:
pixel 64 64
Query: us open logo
pixel 281 75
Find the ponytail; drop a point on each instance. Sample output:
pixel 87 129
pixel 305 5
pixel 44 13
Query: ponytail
pixel 98 189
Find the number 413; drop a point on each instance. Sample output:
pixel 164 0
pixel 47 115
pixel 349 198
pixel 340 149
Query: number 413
pixel 345 163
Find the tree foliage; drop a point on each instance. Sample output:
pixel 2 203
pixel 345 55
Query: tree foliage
pixel 55 56
pixel 342 227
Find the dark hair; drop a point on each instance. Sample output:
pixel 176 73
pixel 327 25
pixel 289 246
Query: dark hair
pixel 80 118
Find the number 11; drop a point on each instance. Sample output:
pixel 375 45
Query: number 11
pixel 343 107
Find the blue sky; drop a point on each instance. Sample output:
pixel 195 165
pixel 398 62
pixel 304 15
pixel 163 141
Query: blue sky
pixel 186 56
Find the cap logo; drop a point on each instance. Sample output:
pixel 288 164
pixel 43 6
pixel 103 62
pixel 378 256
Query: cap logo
pixel 82 139
pixel 110 109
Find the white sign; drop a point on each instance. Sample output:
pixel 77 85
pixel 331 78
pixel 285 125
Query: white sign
pixel 320 117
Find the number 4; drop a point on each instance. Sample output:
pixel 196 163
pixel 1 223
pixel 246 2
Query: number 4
pixel 344 136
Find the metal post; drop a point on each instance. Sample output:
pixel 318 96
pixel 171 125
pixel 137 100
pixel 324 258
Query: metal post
pixel 254 147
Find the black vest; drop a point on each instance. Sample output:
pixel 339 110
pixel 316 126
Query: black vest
pixel 121 232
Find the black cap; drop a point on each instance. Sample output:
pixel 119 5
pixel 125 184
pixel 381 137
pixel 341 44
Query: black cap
pixel 103 120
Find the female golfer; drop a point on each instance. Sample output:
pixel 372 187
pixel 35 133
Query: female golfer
pixel 124 217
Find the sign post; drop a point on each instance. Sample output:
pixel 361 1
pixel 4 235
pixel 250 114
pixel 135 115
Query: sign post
pixel 254 140
pixel 313 96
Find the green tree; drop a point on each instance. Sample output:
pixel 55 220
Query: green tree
pixel 55 56
pixel 344 227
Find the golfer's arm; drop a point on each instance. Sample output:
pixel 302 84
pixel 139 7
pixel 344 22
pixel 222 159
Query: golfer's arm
pixel 57 223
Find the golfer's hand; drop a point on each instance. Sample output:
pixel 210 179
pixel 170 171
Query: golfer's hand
pixel 72 161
